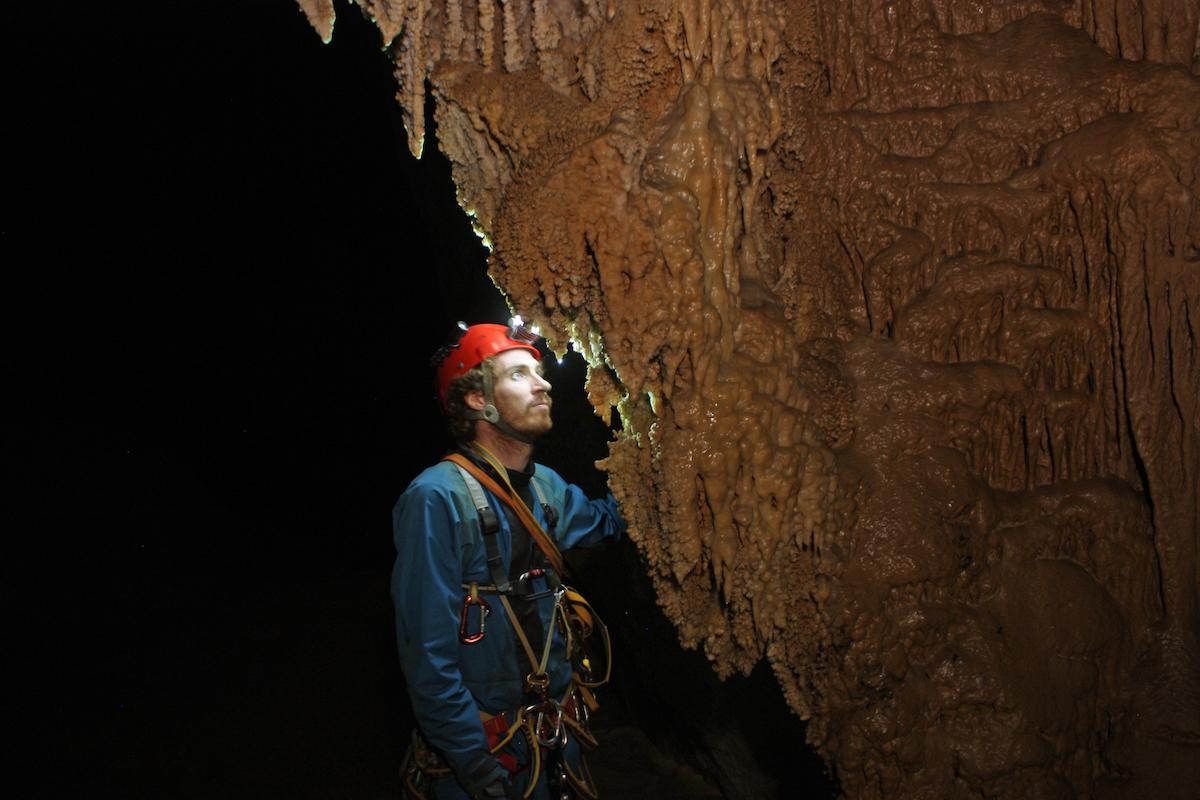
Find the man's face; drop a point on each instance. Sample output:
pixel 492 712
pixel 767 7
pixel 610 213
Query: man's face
pixel 521 393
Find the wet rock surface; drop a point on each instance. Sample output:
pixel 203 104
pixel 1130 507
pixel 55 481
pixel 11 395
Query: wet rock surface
pixel 896 306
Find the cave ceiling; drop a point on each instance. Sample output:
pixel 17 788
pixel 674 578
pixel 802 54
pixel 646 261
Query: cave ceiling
pixel 898 303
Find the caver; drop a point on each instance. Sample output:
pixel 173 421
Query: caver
pixel 500 654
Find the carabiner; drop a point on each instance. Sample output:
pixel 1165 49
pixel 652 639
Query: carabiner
pixel 550 719
pixel 545 719
pixel 580 708
pixel 485 609
pixel 523 584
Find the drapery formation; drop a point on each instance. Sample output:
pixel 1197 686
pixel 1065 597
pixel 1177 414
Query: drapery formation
pixel 899 305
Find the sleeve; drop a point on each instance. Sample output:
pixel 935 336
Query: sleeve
pixel 584 522
pixel 426 592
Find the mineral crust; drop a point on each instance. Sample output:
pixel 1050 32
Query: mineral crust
pixel 899 305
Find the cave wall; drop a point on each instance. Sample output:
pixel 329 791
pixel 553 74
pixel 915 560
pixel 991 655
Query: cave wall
pixel 897 303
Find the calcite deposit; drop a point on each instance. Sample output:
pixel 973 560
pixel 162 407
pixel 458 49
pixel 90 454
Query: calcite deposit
pixel 898 303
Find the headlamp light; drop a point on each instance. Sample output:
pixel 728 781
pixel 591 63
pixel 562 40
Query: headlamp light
pixel 518 331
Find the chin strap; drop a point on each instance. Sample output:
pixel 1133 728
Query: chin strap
pixel 491 414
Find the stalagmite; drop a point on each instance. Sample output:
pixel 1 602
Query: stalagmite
pixel 897 303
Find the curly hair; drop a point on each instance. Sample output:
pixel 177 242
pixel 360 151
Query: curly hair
pixel 462 428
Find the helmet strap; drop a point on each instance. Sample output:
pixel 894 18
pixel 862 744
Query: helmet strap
pixel 492 414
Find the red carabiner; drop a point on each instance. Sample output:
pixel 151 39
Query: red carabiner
pixel 484 610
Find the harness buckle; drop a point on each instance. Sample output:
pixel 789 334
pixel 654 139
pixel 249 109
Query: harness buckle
pixel 537 684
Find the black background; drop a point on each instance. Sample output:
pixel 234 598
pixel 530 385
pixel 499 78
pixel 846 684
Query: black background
pixel 226 278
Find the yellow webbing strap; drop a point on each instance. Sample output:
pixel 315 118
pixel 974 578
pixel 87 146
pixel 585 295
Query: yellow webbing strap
pixel 590 623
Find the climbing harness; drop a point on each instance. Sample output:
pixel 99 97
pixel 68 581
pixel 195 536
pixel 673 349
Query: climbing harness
pixel 577 619
pixel 468 468
pixel 544 721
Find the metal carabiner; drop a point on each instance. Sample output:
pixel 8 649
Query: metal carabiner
pixel 485 609
pixel 523 585
pixel 550 713
pixel 582 714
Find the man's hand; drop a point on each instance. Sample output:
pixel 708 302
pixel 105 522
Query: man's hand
pixel 500 790
pixel 485 779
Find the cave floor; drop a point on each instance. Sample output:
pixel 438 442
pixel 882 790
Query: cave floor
pixel 628 765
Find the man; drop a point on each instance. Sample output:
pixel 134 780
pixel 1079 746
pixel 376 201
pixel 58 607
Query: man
pixel 489 637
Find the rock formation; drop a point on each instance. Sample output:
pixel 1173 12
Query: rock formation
pixel 899 305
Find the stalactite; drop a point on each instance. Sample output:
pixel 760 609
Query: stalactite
pixel 321 15
pixel 514 53
pixel 455 33
pixel 411 91
pixel 390 16
pixel 1157 30
pixel 486 33
pixel 414 31
pixel 545 35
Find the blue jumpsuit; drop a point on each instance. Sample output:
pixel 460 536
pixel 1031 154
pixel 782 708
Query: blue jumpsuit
pixel 439 547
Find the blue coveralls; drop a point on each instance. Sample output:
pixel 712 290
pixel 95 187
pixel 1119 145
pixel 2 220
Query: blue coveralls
pixel 439 547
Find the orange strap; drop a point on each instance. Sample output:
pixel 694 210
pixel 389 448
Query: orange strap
pixel 522 511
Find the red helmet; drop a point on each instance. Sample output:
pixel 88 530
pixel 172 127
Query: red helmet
pixel 480 342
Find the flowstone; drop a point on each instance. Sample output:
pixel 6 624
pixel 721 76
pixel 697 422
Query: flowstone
pixel 897 302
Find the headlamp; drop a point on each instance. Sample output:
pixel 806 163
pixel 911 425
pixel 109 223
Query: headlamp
pixel 518 331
